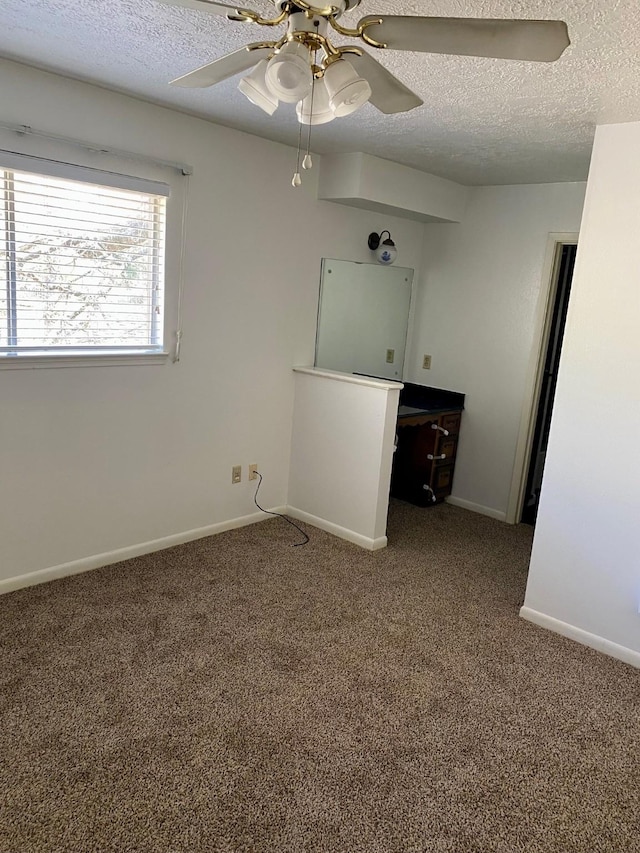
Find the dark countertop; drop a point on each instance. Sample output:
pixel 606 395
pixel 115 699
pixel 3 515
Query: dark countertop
pixel 423 399
pixel 413 411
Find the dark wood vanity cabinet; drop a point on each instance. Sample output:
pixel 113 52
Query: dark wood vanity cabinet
pixel 425 456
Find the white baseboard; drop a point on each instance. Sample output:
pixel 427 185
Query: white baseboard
pixel 481 510
pixel 600 644
pixel 106 559
pixel 341 532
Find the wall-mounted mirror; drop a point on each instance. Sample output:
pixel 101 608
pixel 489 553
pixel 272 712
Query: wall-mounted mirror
pixel 363 316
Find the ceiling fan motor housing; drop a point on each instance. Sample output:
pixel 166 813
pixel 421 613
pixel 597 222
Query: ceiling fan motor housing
pixel 342 6
pixel 299 23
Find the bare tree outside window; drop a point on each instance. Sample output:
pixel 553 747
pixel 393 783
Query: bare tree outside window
pixel 84 265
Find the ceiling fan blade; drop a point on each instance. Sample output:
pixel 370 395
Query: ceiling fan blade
pixel 220 69
pixel 388 94
pixel 539 41
pixel 234 13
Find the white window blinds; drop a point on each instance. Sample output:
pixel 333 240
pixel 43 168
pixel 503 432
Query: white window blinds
pixel 83 262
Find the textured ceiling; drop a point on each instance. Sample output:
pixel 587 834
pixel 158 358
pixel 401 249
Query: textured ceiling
pixel 483 121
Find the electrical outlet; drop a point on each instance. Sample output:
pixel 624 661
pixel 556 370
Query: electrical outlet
pixel 236 474
pixel 253 472
pixel 391 354
pixel 426 362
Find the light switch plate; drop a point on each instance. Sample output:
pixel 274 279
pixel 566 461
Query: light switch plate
pixel 391 354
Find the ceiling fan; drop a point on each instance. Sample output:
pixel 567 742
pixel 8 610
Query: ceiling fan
pixel 304 67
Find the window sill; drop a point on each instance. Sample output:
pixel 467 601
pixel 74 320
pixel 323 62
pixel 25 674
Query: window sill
pixel 29 362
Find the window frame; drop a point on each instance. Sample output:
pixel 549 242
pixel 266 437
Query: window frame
pixel 39 357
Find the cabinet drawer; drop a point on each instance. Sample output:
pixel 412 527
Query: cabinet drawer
pixel 451 422
pixel 417 420
pixel 446 447
pixel 442 479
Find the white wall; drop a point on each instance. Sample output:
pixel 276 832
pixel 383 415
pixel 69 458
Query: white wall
pixel 585 567
pixel 341 454
pixel 475 315
pixel 97 459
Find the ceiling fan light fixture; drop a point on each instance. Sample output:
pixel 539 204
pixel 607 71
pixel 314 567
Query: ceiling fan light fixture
pixel 347 91
pixel 288 73
pixel 322 112
pixel 254 88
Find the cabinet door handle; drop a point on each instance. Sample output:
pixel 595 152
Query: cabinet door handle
pixel 443 431
pixel 441 456
pixel 431 492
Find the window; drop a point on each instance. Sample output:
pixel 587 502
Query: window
pixel 83 263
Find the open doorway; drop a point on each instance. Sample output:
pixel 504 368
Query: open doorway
pixel 550 360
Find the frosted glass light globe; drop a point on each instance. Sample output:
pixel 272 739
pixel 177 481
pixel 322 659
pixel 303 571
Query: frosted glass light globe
pixel 254 87
pixel 386 253
pixel 288 74
pixel 322 111
pixel 347 91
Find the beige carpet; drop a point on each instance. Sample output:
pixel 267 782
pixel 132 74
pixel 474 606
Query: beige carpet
pixel 238 694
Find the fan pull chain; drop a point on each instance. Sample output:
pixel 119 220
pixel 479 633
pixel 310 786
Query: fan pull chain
pixel 297 180
pixel 307 163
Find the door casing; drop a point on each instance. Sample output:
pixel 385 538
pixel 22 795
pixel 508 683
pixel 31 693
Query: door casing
pixel 542 330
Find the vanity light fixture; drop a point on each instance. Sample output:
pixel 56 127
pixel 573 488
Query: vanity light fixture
pixel 385 250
